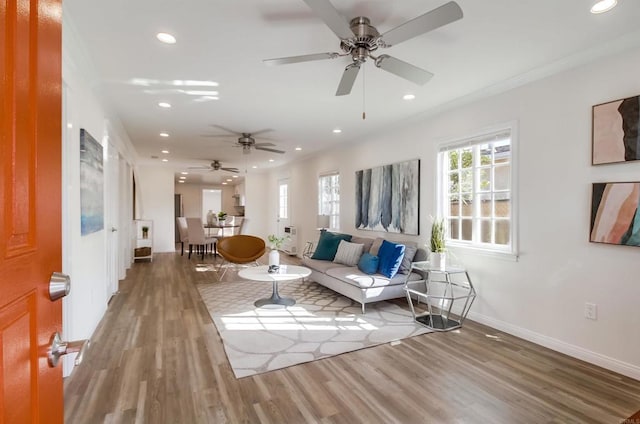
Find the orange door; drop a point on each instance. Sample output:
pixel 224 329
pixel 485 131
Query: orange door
pixel 30 191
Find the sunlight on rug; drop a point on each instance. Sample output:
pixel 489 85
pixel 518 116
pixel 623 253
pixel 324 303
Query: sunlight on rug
pixel 322 323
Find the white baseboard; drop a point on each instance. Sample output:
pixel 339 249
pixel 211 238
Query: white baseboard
pixel 612 364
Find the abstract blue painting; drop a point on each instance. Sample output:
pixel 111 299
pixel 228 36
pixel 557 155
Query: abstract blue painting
pixel 388 198
pixel 91 184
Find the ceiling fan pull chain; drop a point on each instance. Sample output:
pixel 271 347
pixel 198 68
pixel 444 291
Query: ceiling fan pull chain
pixel 364 114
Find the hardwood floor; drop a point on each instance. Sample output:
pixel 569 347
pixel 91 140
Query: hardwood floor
pixel 156 357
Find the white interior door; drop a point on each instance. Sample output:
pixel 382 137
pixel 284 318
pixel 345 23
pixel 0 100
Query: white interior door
pixel 113 217
pixel 283 205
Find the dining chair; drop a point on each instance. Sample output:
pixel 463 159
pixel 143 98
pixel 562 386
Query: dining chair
pixel 242 249
pixel 181 222
pixel 195 233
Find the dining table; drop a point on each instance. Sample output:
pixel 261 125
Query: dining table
pixel 221 226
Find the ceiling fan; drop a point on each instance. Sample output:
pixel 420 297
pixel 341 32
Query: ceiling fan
pixel 215 166
pixel 246 140
pixel 358 39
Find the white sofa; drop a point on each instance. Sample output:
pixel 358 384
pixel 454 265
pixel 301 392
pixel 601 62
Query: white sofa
pixel 357 285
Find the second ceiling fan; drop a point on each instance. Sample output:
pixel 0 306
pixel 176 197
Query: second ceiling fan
pixel 246 140
pixel 358 38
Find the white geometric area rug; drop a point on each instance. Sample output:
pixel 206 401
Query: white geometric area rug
pixel 322 323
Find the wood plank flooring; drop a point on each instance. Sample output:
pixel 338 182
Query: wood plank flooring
pixel 156 357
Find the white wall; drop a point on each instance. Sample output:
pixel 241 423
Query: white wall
pixel 541 296
pixel 84 257
pixel 155 189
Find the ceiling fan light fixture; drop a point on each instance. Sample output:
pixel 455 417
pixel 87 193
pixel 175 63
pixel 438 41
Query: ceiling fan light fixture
pixel 166 38
pixel 602 6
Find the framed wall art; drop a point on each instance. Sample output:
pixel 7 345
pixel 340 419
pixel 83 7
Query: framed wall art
pixel 615 131
pixel 388 198
pixel 615 218
pixel 91 184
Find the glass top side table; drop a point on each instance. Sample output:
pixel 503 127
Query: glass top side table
pixel 447 295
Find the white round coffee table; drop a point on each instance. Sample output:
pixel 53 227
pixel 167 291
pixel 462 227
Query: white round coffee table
pixel 284 273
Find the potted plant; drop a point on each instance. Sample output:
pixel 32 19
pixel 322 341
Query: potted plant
pixel 275 243
pixel 222 216
pixel 438 250
pixel 145 232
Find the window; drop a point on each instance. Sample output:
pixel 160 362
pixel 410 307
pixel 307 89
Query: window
pixel 329 198
pixel 476 192
pixel 283 202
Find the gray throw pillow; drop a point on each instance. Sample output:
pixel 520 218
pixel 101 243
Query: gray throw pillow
pixel 348 253
pixel 409 254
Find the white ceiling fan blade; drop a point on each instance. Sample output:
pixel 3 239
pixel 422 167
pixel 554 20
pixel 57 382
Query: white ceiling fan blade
pixel 263 144
pixel 200 168
pixel 268 149
pixel 235 170
pixel 403 69
pixel 348 79
pixel 331 17
pixel 303 58
pixel 436 18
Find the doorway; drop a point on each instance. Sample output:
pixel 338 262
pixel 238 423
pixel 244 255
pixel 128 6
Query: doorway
pixel 211 201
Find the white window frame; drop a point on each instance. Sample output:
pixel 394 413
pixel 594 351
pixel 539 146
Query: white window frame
pixel 334 208
pixel 509 251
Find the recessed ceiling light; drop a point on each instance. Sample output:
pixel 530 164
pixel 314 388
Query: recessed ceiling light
pixel 271 160
pixel 69 125
pixel 183 178
pixel 603 6
pixel 165 160
pixel 409 97
pixel 337 131
pixel 184 173
pixel 166 38
pixel 164 134
pixel 298 148
pixel 166 152
pixel 181 181
pixel 164 105
pixel 229 179
pixel 255 167
pixel 224 183
pixel 235 176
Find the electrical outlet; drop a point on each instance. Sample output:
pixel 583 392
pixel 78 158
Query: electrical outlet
pixel 591 311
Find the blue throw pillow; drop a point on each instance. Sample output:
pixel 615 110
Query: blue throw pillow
pixel 328 245
pixel 368 263
pixel 390 258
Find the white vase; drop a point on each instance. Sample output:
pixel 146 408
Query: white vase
pixel 274 257
pixel 210 217
pixel 438 260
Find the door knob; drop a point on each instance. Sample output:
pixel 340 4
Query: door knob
pixel 114 229
pixel 59 348
pixel 59 285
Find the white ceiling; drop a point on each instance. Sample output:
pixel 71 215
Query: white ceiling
pixel 226 41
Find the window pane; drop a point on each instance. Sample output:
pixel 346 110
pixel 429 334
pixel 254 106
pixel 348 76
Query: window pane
pixel 503 205
pixel 466 181
pixel 485 231
pixel 454 205
pixel 503 177
pixel 453 160
pixel 454 178
pixel 486 207
pixel 467 229
pixel 467 158
pixel 485 179
pixel 454 225
pixel 467 205
pixel 503 228
pixel 485 154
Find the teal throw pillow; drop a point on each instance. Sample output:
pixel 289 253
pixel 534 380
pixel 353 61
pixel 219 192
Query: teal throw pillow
pixel 368 263
pixel 390 255
pixel 328 245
